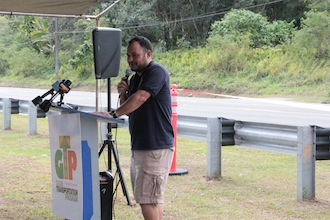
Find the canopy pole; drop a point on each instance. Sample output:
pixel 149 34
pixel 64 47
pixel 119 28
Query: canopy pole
pixel 107 9
pixel 98 86
pixel 57 63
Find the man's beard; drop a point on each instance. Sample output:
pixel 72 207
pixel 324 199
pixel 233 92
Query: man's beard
pixel 139 68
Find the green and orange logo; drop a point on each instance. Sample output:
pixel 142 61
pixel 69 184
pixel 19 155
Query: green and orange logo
pixel 65 159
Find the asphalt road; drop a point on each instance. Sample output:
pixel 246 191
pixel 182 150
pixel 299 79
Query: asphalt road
pixel 239 108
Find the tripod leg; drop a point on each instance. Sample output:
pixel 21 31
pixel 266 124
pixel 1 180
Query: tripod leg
pixel 102 148
pixel 121 176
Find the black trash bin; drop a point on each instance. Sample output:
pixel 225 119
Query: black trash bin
pixel 106 194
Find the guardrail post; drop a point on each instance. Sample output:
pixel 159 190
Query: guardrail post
pixel 6 110
pixel 32 113
pixel 306 151
pixel 214 139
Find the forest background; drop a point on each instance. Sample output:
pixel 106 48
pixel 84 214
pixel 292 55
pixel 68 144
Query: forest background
pixel 276 48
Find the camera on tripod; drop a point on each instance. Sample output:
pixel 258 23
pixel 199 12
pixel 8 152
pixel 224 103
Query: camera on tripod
pixel 58 88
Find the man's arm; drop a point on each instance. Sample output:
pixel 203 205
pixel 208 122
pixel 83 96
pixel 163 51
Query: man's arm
pixel 133 102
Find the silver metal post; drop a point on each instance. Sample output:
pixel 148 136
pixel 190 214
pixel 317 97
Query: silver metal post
pixel 306 150
pixel 214 140
pixel 6 109
pixel 32 112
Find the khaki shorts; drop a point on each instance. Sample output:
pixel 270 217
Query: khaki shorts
pixel 149 173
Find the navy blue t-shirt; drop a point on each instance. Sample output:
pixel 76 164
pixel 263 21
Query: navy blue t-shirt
pixel 150 125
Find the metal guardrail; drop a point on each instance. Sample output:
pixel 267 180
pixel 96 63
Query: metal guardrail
pixel 269 137
pixel 307 143
pixel 279 138
pixel 192 127
pixel 22 107
pixel 322 143
pixel 196 128
pixel 188 127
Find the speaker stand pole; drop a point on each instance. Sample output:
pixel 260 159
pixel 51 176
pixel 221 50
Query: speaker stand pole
pixel 109 124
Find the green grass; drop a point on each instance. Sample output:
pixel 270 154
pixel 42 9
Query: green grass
pixel 254 184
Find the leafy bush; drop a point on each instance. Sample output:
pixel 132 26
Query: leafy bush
pixel 82 61
pixel 312 41
pixel 228 56
pixel 28 63
pixel 3 66
pixel 238 23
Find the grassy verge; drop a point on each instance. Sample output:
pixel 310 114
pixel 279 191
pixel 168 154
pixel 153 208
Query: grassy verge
pixel 254 184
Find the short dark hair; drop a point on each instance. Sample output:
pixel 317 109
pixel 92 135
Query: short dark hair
pixel 143 41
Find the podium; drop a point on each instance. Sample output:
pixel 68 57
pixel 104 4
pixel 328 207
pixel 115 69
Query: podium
pixel 74 164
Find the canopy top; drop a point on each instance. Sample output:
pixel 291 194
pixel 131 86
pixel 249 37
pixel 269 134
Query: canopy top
pixel 51 8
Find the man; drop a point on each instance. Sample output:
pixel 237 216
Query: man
pixel 147 102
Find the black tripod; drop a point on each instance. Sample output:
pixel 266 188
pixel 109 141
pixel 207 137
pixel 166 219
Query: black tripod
pixel 111 148
pixel 112 151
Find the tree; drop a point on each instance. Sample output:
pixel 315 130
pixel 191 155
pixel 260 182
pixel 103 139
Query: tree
pixel 82 60
pixel 239 23
pixel 319 5
pixel 313 38
pixel 36 30
pixel 168 21
pixel 135 18
pixel 188 20
pixel 276 10
pixel 5 42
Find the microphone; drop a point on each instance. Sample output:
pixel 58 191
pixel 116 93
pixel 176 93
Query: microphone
pixel 64 86
pixel 58 88
pixel 128 72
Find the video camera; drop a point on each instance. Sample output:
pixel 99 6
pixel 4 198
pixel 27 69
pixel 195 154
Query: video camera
pixel 58 88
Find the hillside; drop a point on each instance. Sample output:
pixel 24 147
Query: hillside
pixel 245 54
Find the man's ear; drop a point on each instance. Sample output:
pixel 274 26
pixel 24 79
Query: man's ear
pixel 149 53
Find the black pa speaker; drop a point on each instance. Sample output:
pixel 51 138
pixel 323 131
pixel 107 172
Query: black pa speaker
pixel 107 51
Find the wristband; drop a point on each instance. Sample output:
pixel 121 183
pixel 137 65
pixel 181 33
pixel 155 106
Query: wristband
pixel 113 114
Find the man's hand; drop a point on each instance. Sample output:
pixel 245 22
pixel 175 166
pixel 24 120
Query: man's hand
pixel 106 114
pixel 122 86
